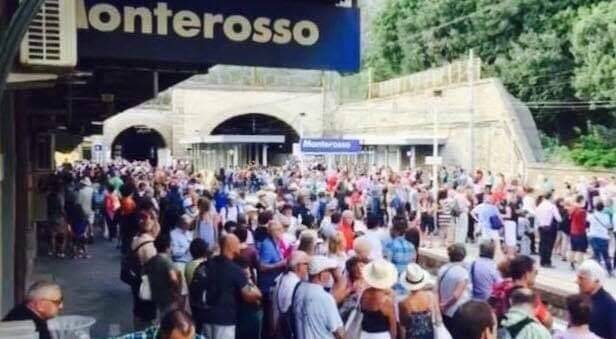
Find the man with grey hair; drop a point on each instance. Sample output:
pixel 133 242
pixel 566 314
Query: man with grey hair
pixel 590 278
pixel 286 286
pixel 44 301
pixel 181 237
pixel 483 271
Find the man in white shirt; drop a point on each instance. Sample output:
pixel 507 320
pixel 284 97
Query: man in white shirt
pixel 482 214
pixel 315 311
pixel 547 218
pixel 286 285
pixel 529 206
pixel 232 211
pixel 374 237
pixel 599 230
pixel 181 237
pixel 462 204
pixel 84 199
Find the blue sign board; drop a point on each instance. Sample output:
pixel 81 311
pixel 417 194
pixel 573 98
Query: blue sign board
pixel 271 33
pixel 330 146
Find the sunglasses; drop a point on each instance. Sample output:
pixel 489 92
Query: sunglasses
pixel 56 302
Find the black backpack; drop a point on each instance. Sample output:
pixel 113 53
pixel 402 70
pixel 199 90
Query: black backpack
pixel 197 287
pixel 286 321
pixel 130 272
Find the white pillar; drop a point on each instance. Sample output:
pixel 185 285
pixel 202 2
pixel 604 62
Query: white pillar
pixel 265 154
pixel 236 155
pixel 435 166
pixel 412 158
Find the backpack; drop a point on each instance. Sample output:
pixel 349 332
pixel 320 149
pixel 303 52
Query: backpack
pixel 130 272
pixel 455 209
pixel 197 287
pixel 496 223
pixel 511 332
pixel 286 320
pixel 499 298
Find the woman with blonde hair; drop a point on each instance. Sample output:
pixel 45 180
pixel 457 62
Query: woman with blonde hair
pixel 336 249
pixel 206 223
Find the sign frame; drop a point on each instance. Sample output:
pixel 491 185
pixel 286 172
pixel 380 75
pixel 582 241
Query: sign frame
pixel 273 33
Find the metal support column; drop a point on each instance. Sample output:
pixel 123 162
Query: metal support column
pixel 7 203
pixel 265 147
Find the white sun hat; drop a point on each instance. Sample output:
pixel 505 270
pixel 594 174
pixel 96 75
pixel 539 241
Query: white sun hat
pixel 380 274
pixel 320 263
pixel 415 278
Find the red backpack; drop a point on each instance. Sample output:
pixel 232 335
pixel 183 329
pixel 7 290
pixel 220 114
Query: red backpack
pixel 499 298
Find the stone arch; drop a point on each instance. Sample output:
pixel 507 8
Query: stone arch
pixel 156 120
pixel 211 124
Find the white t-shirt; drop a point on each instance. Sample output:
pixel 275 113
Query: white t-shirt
pixel 599 225
pixel 448 278
pixel 374 237
pixel 230 213
pixel 285 291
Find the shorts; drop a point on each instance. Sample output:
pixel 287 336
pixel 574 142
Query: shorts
pixel 579 243
pixel 219 331
pixel 58 226
pixel 488 233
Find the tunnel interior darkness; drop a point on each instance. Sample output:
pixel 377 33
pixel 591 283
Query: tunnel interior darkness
pixel 260 124
pixel 138 143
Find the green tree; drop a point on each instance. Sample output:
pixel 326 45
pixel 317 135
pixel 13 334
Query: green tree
pixel 535 68
pixel 593 43
pixel 525 42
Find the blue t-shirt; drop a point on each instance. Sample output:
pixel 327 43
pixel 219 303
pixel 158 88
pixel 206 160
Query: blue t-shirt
pixel 268 254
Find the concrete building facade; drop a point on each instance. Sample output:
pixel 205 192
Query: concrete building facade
pixel 393 120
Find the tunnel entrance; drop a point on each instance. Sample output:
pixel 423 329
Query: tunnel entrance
pixel 138 143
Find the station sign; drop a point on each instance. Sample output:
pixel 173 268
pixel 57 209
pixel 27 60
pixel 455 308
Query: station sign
pixel 330 146
pixel 272 33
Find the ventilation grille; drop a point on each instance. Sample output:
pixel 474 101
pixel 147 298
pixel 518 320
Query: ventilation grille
pixel 51 39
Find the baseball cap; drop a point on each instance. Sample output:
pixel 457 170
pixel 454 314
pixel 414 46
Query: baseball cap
pixel 321 263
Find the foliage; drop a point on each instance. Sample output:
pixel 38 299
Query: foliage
pixel 534 46
pixel 596 149
pixel 554 151
pixel 593 34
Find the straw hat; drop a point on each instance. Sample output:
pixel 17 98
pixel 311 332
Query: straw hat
pixel 380 274
pixel 415 278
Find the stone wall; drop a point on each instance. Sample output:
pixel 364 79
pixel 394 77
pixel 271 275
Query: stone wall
pixel 499 143
pixel 561 174
pixel 203 109
pixel 505 136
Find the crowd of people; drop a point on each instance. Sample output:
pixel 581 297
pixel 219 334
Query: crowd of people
pixel 286 252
